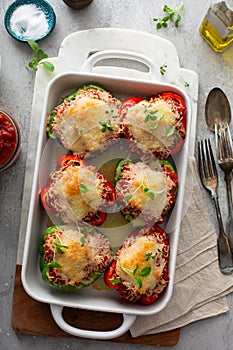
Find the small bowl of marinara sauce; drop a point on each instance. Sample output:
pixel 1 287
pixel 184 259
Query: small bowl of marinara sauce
pixel 9 139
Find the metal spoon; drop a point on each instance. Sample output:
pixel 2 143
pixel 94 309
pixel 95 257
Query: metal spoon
pixel 217 108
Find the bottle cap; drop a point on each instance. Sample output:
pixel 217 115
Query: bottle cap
pixel 29 19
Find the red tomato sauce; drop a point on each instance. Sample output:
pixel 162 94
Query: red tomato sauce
pixel 8 138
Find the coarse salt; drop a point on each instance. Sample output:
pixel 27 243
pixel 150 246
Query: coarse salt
pixel 29 22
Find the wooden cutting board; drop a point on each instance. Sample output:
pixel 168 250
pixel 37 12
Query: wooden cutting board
pixel 32 317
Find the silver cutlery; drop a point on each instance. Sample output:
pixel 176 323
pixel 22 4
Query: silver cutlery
pixel 224 151
pixel 209 179
pixel 217 108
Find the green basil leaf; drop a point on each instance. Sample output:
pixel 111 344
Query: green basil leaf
pixel 145 189
pixel 82 240
pixel 139 282
pixel 33 45
pixel 54 264
pixel 83 188
pixel 145 271
pixel 151 195
pixel 41 55
pixel 135 270
pixel 128 197
pixel 59 247
pixel 115 281
pixel 33 66
pixel 170 131
pixel 154 126
pixel 48 65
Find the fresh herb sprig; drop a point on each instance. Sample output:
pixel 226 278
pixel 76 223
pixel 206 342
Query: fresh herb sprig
pixel 136 275
pixel 38 56
pixel 145 189
pixel 172 15
pixel 151 116
pixel 106 125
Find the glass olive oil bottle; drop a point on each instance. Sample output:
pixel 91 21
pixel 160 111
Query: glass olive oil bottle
pixel 217 25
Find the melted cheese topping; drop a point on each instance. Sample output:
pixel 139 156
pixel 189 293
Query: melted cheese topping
pixel 144 253
pixel 67 197
pixel 82 255
pixel 73 260
pixel 146 188
pixel 79 123
pixel 154 124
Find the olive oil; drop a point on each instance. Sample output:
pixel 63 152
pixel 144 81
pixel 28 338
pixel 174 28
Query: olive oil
pixel 217 25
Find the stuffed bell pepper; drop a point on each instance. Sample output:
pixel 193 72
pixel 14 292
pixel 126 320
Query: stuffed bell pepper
pixel 76 192
pixel 139 270
pixel 73 257
pixel 157 125
pixel 146 193
pixel 86 121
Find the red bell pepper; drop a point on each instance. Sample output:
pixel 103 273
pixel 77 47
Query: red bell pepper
pixel 126 291
pixel 94 217
pixel 179 105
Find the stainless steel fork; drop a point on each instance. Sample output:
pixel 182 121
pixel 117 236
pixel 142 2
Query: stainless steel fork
pixel 209 179
pixel 224 150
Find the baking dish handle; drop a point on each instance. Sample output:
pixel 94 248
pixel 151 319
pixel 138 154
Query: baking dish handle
pixel 128 321
pixel 154 71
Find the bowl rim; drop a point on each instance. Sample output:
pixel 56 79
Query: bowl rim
pixel 42 5
pixel 17 149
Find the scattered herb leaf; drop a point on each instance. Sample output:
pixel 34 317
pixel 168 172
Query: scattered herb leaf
pixel 59 247
pixel 163 69
pixel 127 197
pixel 38 55
pixel 151 195
pixel 82 240
pixel 145 271
pixel 83 188
pixel 106 125
pixel 186 83
pixel 135 270
pixel 54 264
pixel 172 15
pixel 149 256
pixel 139 281
pixel 170 131
pixel 115 281
pixel 145 190
pixel 154 126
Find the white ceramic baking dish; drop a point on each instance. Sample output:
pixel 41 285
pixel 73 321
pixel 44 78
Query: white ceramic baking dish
pixel 89 298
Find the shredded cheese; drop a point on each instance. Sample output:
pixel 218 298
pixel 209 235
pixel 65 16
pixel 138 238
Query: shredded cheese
pixel 79 123
pixel 134 258
pixel 145 188
pixel 82 255
pixel 151 123
pixel 70 203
